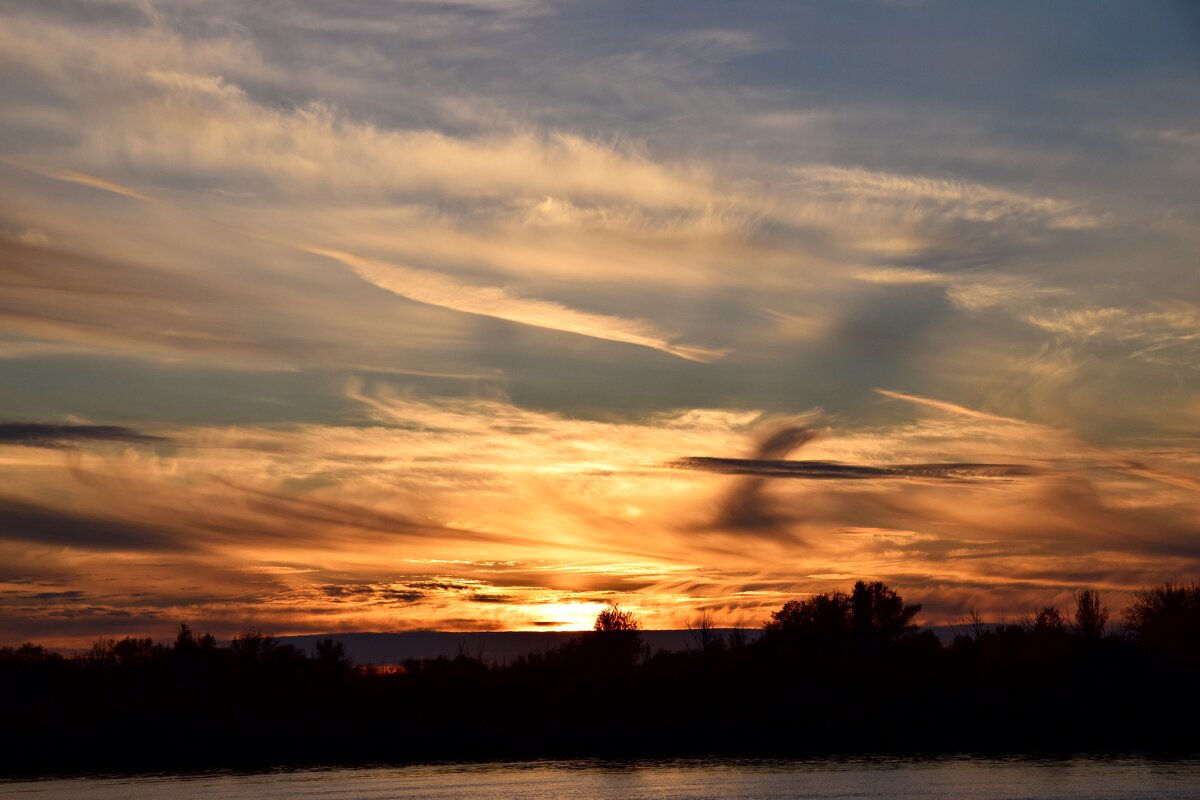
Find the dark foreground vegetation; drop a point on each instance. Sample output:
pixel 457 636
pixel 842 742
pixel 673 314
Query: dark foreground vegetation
pixel 835 673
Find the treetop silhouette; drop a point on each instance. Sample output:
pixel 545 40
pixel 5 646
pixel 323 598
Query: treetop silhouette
pixel 835 672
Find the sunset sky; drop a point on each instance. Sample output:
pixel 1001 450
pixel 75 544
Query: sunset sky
pixel 480 314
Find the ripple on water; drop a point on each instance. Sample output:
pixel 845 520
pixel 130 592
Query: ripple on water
pixel 690 779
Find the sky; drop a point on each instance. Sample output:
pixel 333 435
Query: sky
pixel 481 314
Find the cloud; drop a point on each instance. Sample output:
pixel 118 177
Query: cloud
pixel 827 470
pixel 40 434
pixel 84 302
pixel 981 293
pixel 145 299
pixel 943 405
pixel 900 276
pixel 663 174
pixel 200 127
pixel 429 287
pixel 1169 335
pixel 937 197
pixel 82 178
pixel 783 441
pixel 71 595
pixel 284 515
pixel 745 507
pixel 39 525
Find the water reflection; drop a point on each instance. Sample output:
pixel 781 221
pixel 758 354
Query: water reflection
pixel 724 779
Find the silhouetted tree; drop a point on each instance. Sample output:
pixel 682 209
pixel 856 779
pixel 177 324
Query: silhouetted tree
pixel 331 656
pixel 125 652
pixel 1049 620
pixel 1090 616
pixel 1166 616
pixel 616 638
pixel 184 640
pixel 871 615
pixel 879 613
pixel 834 672
pixel 29 653
pixel 824 616
pixel 614 618
pixel 252 645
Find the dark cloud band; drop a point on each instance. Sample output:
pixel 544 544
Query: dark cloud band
pixel 833 470
pixel 40 434
pixel 27 522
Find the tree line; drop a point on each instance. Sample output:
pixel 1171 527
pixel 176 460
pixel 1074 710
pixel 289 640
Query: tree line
pixel 837 672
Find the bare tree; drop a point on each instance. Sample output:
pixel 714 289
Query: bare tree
pixel 737 638
pixel 971 626
pixel 975 623
pixel 704 633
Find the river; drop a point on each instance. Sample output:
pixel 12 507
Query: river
pixel 814 779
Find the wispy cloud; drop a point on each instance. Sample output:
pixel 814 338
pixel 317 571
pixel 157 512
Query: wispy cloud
pixel 95 182
pixel 899 275
pixel 1168 335
pixel 424 286
pixel 942 197
pixel 943 405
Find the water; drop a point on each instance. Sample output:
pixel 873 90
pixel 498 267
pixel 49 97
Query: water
pixel 975 778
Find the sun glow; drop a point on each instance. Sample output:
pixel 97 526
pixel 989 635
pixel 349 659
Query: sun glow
pixel 564 616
